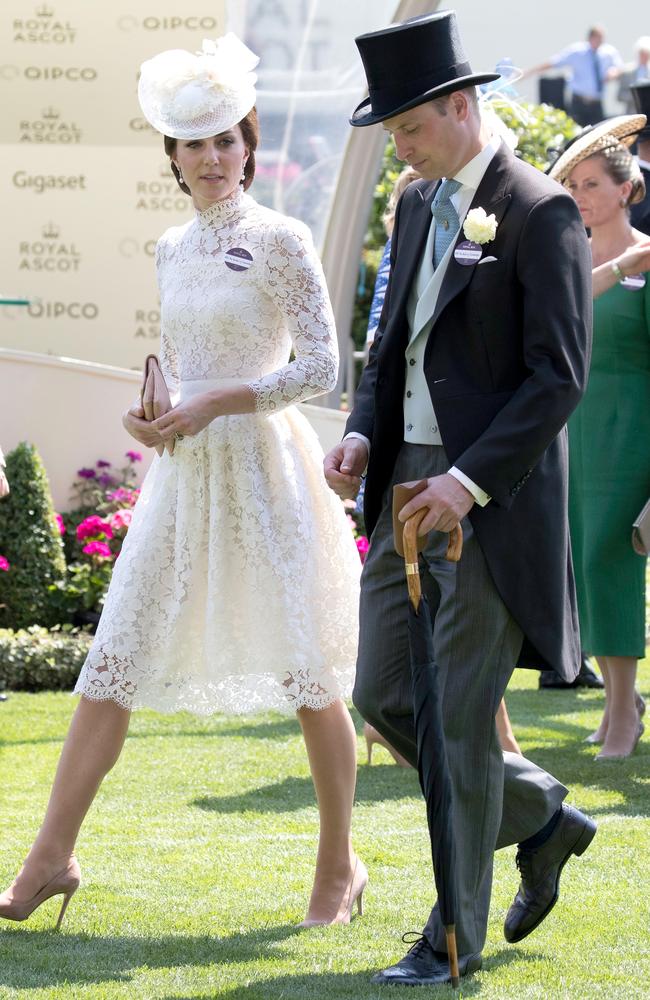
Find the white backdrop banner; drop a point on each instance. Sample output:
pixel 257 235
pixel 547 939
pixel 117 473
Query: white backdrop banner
pixel 85 187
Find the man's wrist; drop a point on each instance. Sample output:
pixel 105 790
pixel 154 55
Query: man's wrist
pixel 480 496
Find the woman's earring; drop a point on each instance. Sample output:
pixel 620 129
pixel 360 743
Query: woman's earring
pixel 243 173
pixel 623 202
pixel 180 176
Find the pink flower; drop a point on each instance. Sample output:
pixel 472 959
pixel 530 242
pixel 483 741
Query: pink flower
pixel 134 456
pixel 121 518
pixel 86 473
pixel 59 523
pixel 362 547
pixel 99 549
pixel 4 565
pixel 93 526
pixel 102 464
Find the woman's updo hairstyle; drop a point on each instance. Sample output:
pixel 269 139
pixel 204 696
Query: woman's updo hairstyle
pixel 621 166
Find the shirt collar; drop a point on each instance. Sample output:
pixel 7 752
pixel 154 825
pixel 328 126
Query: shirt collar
pixel 471 175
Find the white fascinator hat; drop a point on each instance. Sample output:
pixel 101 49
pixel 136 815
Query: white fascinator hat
pixel 195 95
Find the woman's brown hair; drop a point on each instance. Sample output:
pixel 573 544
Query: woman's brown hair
pixel 250 131
pixel 620 165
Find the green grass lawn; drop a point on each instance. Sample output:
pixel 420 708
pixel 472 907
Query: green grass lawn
pixel 197 861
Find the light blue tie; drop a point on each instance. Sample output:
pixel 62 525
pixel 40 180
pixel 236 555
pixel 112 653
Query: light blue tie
pixel 447 221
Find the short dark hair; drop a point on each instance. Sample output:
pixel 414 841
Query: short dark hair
pixel 250 131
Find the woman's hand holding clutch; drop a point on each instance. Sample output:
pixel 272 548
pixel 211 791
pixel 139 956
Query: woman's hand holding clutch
pixel 142 430
pixel 186 419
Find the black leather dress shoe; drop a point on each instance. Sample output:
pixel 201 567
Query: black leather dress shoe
pixel 587 677
pixel 541 868
pixel 422 966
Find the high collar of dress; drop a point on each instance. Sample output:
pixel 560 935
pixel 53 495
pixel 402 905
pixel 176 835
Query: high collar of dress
pixel 225 210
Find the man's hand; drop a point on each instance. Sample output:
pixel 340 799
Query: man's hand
pixel 139 428
pixel 448 502
pixel 344 466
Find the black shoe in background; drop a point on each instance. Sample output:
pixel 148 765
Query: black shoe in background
pixel 587 677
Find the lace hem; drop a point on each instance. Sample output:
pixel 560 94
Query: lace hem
pixel 235 695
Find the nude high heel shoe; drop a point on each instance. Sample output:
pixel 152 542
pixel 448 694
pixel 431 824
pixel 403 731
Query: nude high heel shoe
pixel 354 894
pixel 65 883
pixel 639 701
pixel 373 736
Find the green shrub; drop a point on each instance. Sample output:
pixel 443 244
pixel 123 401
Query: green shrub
pixel 30 541
pixel 541 133
pixel 36 659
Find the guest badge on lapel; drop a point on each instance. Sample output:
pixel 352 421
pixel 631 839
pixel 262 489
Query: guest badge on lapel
pixel 238 259
pixel 479 228
pixel 633 282
pixel 468 252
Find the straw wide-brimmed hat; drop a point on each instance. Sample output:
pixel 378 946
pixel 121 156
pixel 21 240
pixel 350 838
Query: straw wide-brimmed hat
pixel 195 95
pixel 594 139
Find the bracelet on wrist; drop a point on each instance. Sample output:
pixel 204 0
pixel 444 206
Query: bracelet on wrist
pixel 618 274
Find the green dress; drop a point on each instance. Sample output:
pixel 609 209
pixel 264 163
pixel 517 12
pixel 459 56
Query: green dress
pixel 609 476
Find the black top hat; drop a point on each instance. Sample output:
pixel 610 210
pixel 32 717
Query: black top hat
pixel 410 63
pixel 641 97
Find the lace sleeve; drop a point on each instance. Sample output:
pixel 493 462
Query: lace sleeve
pixel 296 282
pixel 168 357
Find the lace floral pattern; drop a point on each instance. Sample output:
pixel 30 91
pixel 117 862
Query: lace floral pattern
pixel 237 586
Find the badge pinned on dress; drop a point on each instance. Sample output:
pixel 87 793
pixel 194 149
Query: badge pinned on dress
pixel 468 252
pixel 238 259
pixel 633 282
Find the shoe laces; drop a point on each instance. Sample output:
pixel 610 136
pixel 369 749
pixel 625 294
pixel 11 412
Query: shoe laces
pixel 416 940
pixel 524 862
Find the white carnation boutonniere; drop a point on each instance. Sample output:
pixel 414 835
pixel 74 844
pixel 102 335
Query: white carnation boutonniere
pixel 479 227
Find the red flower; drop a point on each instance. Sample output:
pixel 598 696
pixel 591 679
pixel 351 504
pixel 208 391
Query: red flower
pixel 99 549
pixel 93 527
pixel 362 547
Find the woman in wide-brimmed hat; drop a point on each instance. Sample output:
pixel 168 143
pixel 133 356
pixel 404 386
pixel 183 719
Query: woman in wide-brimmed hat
pixel 610 429
pixel 237 586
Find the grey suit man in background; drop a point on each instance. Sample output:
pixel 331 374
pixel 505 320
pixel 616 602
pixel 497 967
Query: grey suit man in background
pixel 481 354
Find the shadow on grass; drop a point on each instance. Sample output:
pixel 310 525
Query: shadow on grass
pixel 29 959
pixel 274 730
pixel 374 784
pixel 33 959
pixel 350 986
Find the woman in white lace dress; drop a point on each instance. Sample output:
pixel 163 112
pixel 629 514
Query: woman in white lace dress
pixel 236 588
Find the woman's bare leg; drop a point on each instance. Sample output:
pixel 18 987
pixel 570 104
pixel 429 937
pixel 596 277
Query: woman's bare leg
pixel 600 735
pixel 624 724
pixel 504 729
pixel 331 744
pixel 92 746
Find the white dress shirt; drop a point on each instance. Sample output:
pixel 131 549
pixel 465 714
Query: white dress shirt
pixel 420 423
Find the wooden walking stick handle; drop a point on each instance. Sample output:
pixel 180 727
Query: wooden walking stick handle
pixel 410 537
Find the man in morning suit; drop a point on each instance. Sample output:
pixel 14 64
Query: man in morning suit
pixel 481 354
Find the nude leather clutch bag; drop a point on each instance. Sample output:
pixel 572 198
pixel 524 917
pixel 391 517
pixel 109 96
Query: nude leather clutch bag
pixel 154 397
pixel 641 532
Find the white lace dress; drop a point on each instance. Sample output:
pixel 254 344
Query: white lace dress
pixel 237 586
